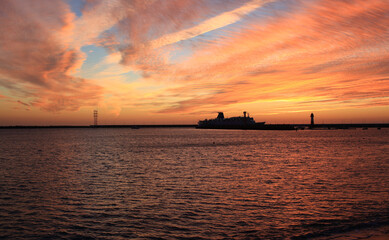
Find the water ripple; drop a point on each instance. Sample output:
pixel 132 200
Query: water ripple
pixel 191 184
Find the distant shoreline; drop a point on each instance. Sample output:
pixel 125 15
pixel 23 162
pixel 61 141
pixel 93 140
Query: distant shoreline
pixel 105 126
pixel 268 126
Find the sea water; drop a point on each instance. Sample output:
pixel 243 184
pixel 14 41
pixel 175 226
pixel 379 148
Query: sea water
pixel 193 183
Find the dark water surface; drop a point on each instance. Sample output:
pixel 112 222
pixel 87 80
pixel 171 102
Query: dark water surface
pixel 189 183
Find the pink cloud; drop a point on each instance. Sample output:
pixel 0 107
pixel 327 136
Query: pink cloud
pixel 33 59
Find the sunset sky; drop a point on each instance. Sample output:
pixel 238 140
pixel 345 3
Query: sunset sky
pixel 179 61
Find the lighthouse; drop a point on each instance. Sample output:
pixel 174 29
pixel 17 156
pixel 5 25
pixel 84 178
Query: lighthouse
pixel 312 120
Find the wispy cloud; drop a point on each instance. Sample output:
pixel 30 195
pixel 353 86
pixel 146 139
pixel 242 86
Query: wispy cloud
pixel 219 21
pixel 308 52
pixel 32 57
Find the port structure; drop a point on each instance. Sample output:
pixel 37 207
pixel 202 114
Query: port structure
pixel 95 115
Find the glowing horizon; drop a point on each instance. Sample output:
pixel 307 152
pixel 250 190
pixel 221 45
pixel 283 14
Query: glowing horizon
pixel 179 61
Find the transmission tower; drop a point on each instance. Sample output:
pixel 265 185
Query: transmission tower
pixel 95 117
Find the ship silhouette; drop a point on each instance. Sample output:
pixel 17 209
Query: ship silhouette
pixel 220 122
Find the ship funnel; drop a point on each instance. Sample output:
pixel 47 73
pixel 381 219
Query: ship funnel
pixel 244 114
pixel 220 115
